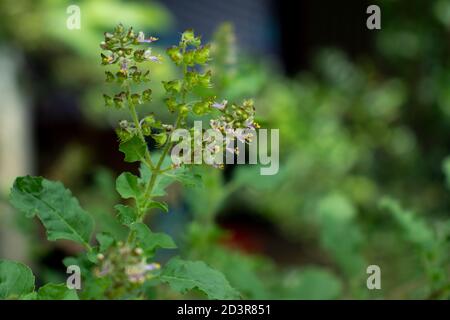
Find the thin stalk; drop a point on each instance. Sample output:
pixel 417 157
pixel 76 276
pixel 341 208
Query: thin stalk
pixel 156 170
pixel 134 115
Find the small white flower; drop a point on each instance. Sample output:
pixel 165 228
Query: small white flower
pixel 141 38
pixel 243 135
pixel 249 123
pixel 152 266
pixel 148 56
pixel 124 65
pixel 220 105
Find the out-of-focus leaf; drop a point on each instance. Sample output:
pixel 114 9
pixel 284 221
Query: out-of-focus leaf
pixel 157 204
pixel 183 175
pixel 105 241
pixel 337 222
pixel 311 284
pixel 446 169
pixel 134 149
pixel 183 276
pixel 150 241
pixel 127 185
pixel 415 229
pixel 53 291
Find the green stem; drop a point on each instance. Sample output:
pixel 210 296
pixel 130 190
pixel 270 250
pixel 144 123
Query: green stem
pixel 148 160
pixel 156 170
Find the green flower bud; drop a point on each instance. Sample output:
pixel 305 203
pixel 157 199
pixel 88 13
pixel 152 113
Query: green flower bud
pixel 108 100
pixel 160 138
pixel 107 59
pixel 118 103
pixel 184 110
pixel 146 129
pixel 136 98
pixel 188 36
pixel 196 42
pixel 109 76
pixel 204 80
pixel 201 55
pixel 131 33
pixel 150 119
pixel 136 76
pixel 171 104
pixel 139 55
pixel 123 135
pixel 201 108
pixel 189 58
pixel 147 95
pixel 248 104
pixel 128 51
pixel 191 79
pixel 121 76
pixel 118 30
pixel 108 36
pixel 175 54
pixel 173 86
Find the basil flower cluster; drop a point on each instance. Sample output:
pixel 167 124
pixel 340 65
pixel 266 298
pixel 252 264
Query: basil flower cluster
pixel 235 122
pixel 123 48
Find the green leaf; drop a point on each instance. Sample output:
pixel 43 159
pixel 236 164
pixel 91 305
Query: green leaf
pixel 446 169
pixel 16 279
pixel 134 149
pixel 246 273
pixel 29 296
pixel 157 204
pixel 127 186
pixel 150 241
pixel 183 276
pixel 336 217
pixel 160 138
pixel 55 206
pixel 95 288
pixel 184 175
pixel 54 291
pixel 125 214
pixel 414 229
pixel 105 240
pixel 108 100
pixel 312 284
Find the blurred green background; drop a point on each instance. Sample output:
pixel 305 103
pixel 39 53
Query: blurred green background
pixel 364 120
